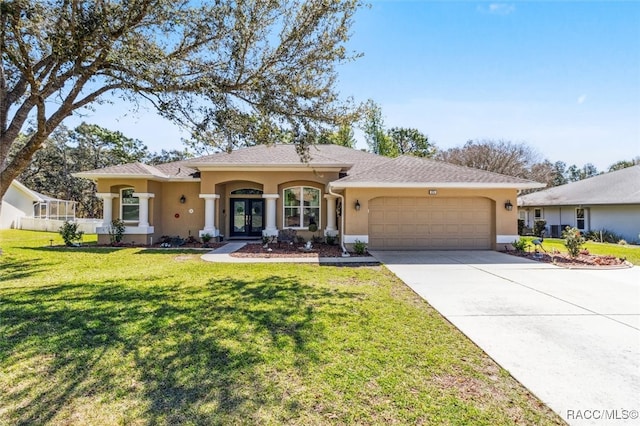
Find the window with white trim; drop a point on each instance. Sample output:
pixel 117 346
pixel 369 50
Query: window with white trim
pixel 129 206
pixel 537 214
pixel 301 207
pixel 580 219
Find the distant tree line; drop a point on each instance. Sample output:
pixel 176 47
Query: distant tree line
pixel 498 156
pixel 86 147
pixel 89 146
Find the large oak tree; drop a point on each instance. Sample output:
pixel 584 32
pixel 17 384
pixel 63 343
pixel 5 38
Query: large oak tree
pixel 230 70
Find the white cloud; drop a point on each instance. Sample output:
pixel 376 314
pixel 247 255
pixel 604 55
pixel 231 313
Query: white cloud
pixel 581 99
pixel 497 8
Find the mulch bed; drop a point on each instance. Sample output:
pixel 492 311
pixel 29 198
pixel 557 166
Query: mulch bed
pixel 290 250
pixel 583 260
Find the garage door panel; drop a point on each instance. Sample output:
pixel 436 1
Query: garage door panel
pixel 408 216
pixel 437 216
pixel 376 217
pixel 430 223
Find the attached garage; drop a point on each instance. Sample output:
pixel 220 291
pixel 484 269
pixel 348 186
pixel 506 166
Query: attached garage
pixel 431 223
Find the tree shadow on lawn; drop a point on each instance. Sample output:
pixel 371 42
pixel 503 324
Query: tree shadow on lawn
pixel 11 269
pixel 176 353
pixel 81 249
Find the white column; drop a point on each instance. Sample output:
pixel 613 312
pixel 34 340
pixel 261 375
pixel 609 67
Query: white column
pixel 143 197
pixel 331 229
pixel 209 214
pixel 107 206
pixel 270 209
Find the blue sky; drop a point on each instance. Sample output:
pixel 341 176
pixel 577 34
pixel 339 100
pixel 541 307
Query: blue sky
pixel 564 77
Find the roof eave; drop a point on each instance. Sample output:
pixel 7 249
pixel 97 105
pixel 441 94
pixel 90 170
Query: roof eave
pixel 27 191
pixel 572 203
pixel 457 185
pixel 208 167
pixel 96 176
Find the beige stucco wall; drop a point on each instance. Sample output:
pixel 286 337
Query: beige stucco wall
pixel 268 179
pixel 356 222
pixel 223 183
pixel 162 207
pixel 166 205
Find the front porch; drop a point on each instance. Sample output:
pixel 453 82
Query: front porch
pixel 234 209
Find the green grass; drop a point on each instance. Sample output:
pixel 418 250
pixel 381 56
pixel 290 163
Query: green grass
pixel 628 252
pixel 127 336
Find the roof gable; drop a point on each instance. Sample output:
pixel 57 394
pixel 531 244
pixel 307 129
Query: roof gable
pixel 619 187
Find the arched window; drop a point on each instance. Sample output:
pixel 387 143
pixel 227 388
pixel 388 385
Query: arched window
pixel 301 207
pixel 246 191
pixel 129 206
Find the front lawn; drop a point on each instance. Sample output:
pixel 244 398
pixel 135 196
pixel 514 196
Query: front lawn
pixel 628 252
pixel 127 336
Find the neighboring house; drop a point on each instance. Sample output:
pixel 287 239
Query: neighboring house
pixel 24 208
pixel 609 201
pixel 388 203
pixel 17 203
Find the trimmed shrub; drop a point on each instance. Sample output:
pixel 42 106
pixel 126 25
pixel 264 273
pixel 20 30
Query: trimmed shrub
pixel 520 245
pixel 573 241
pixel 520 226
pixel 359 247
pixel 116 231
pixel 539 227
pixel 69 233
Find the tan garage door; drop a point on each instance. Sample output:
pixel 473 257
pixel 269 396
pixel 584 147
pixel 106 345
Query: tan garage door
pixel 411 223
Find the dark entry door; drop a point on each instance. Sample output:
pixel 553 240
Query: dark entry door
pixel 247 219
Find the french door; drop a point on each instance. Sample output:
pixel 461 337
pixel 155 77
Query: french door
pixel 247 218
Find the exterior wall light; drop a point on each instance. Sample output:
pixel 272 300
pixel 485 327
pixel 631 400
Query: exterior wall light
pixel 183 199
pixel 508 206
pixel 357 206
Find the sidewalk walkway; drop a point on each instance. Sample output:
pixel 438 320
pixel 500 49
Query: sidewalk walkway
pixel 222 255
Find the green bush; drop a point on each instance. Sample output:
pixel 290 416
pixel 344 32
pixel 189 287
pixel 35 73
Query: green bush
pixel 520 245
pixel 520 226
pixel 603 236
pixel 70 233
pixel 573 241
pixel 359 247
pixel 116 231
pixel 330 240
pixel 539 227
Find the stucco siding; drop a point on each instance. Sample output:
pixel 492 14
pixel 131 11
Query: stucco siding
pixel 503 223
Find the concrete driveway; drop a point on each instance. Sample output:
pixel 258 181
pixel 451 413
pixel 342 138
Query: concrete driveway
pixel 570 336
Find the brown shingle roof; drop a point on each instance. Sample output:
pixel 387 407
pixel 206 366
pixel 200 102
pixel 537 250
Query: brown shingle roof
pixel 164 171
pixel 286 155
pixel 408 170
pixel 362 168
